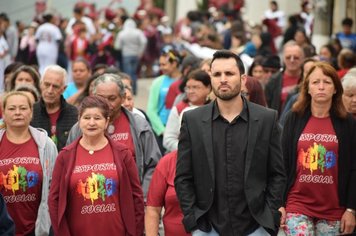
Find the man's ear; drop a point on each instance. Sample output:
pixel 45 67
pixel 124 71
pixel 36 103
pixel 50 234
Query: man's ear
pixel 243 80
pixel 64 88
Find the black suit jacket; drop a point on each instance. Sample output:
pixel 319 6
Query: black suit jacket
pixel 264 178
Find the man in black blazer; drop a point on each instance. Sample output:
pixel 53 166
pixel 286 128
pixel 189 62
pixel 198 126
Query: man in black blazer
pixel 230 174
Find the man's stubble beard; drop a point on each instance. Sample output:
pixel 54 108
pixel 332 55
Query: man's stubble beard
pixel 226 96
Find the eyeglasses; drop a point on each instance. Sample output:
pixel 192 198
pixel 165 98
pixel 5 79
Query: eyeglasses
pixel 192 88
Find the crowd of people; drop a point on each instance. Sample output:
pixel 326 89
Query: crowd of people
pixel 248 129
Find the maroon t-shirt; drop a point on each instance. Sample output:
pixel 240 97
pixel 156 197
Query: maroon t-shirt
pixel 172 93
pixel 53 119
pixel 289 83
pixel 162 194
pixel 93 206
pixel 315 191
pixel 21 182
pixel 122 133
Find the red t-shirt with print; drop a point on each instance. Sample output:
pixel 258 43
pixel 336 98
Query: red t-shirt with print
pixel 21 182
pixel 315 191
pixel 53 119
pixel 162 194
pixel 122 133
pixel 93 206
pixel 289 83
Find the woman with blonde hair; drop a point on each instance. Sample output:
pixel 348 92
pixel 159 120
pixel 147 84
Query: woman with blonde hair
pixel 27 157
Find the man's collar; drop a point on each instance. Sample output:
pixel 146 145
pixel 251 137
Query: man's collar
pixel 243 114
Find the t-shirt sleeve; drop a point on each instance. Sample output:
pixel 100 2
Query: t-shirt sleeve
pixel 158 188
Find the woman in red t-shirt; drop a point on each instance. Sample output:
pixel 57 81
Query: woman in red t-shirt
pixel 95 188
pixel 27 157
pixel 162 194
pixel 319 139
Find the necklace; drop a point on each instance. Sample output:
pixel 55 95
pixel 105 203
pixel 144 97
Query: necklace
pixel 91 150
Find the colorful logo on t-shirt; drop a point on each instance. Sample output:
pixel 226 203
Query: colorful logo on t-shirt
pixel 96 186
pixel 316 158
pixel 18 178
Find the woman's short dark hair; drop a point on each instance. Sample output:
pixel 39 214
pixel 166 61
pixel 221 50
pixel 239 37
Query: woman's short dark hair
pixel 84 61
pixel 29 70
pixel 199 75
pixel 346 58
pixel 95 102
pixel 257 61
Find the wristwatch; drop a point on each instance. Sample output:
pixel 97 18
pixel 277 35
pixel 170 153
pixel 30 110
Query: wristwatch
pixel 352 211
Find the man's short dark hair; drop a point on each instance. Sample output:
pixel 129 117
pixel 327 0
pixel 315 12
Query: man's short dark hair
pixel 78 10
pixel 347 22
pixel 226 54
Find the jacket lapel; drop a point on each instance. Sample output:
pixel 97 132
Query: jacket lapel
pixel 207 138
pixel 253 128
pixel 69 165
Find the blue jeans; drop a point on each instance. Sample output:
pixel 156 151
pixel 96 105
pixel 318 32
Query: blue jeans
pixel 129 66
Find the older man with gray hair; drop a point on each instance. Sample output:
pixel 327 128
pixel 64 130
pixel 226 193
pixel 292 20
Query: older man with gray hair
pixel 126 128
pixel 349 95
pixel 52 112
pixel 283 82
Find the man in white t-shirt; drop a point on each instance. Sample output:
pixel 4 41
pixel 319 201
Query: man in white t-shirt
pixel 48 37
pixel 78 15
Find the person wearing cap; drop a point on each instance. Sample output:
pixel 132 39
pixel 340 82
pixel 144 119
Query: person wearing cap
pixel 270 65
pixel 280 84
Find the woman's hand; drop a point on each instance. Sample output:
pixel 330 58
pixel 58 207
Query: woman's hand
pixel 348 222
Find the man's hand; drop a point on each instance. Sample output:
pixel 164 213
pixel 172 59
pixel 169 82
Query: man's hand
pixel 348 223
pixel 282 210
